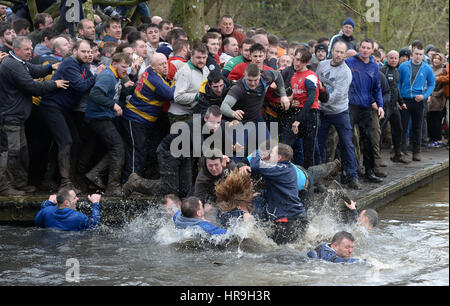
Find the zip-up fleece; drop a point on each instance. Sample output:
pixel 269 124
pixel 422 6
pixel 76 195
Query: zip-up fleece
pixel 423 84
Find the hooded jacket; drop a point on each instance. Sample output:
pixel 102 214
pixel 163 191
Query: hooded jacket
pixel 349 41
pixel 325 252
pixel 17 87
pixel 66 219
pixel 207 97
pixel 181 222
pixel 423 84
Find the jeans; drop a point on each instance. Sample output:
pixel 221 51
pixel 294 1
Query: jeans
pixel 363 118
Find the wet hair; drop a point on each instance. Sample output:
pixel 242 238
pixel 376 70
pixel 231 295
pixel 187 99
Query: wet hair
pixel 190 206
pixel 235 190
pixel 338 237
pixel 178 45
pixel 208 36
pixel 247 41
pixel 119 57
pixel 305 54
pixel 63 195
pixel 20 24
pixel 213 110
pixel 417 44
pixel 252 70
pixel 172 197
pixel 40 19
pixel 133 36
pixel 215 76
pixel 372 216
pixel 285 151
pixel 200 48
pixel 109 47
pixel 213 154
pixel 257 48
pixel 367 40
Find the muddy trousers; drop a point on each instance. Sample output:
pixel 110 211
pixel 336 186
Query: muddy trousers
pixel 289 229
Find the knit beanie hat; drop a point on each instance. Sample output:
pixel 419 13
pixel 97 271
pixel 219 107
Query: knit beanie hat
pixel 349 21
pixel 321 47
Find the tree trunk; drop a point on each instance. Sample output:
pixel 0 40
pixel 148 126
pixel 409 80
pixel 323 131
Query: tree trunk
pixel 193 19
pixel 88 10
pixel 32 8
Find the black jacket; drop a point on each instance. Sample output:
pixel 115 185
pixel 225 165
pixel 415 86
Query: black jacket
pixel 392 77
pixel 17 87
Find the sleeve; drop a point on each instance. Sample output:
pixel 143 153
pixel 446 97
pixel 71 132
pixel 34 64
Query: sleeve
pixel 278 79
pixel 386 90
pixel 376 90
pixel 227 105
pixel 444 77
pixel 212 229
pixel 39 71
pixel 94 220
pixel 164 91
pixel 97 95
pixel 25 82
pixel 431 83
pixel 72 74
pixel 39 218
pixel 236 73
pixel 311 90
pixel 342 87
pixel 182 83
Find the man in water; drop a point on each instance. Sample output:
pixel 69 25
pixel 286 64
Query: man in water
pixel 367 218
pixel 339 250
pixel 59 212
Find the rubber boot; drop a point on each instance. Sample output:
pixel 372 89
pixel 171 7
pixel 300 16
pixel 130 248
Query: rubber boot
pixel 94 176
pixel 114 189
pixel 5 186
pixel 64 169
pixel 142 185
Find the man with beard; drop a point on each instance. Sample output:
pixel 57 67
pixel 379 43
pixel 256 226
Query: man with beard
pixel 243 58
pixel 230 50
pixel 55 107
pixel 181 54
pixel 103 107
pixel 7 35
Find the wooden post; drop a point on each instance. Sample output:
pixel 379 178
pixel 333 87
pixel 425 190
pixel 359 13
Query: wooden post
pixel 193 19
pixel 32 8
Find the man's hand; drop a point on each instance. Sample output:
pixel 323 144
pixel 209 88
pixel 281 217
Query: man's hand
pixel 248 217
pixel 2 56
pixel 238 115
pixel 118 110
pixel 52 199
pixel 225 161
pixel 129 84
pixel 233 123
pixel 419 98
pixel 380 113
pixel 401 107
pixel 245 170
pixel 95 198
pixel 62 84
pixel 100 68
pixel 56 65
pixel 351 206
pixel 238 148
pixel 295 103
pixel 374 106
pixel 285 102
pixel 295 127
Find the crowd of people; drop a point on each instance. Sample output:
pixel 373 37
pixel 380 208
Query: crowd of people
pixel 126 109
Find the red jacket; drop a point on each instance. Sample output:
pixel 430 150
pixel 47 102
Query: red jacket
pixel 239 70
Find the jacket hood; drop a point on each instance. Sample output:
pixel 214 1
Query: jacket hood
pixel 183 222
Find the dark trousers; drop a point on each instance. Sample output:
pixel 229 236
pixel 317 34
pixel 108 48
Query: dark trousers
pixel 175 172
pixel 435 125
pixel 289 229
pixel 415 112
pixel 307 130
pixel 18 156
pixel 363 118
pixel 107 132
pixel 393 117
pixel 341 122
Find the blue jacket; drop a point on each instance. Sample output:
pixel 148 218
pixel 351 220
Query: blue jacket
pixel 81 80
pixel 182 222
pixel 103 96
pixel 281 187
pixel 365 87
pixel 149 97
pixel 422 85
pixel 66 219
pixel 325 252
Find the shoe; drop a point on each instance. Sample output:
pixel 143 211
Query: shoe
pixel 433 144
pixel 398 158
pixel 371 177
pixel 96 180
pixel 319 188
pixel 27 188
pixel 131 184
pixel 354 184
pixel 417 157
pixel 379 173
pixel 10 192
pixel 114 190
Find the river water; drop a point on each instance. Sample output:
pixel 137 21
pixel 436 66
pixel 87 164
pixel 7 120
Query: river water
pixel 409 247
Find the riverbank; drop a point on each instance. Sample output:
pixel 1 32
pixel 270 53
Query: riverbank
pixel 401 179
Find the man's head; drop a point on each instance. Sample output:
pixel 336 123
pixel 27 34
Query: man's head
pixel 213 162
pixel 61 46
pixel 21 27
pixel 321 51
pixel 393 58
pixel 23 48
pixel 164 27
pixel 212 43
pixel 175 34
pixel 113 27
pixel 284 61
pixel 301 59
pixel 246 44
pixel 343 243
pixel 199 55
pixel 281 152
pixel 252 76
pixel 66 198
pixel 171 203
pixel 376 56
pixel 368 218
pixel 291 49
pixel 86 29
pixel 216 82
pixel 213 118
pixel 158 62
pixel 42 21
pixel 417 54
pixel 231 46
pixel 263 40
pixel 2 10
pixel 48 36
pixel 192 207
pixel 152 33
pixel 109 48
pixel 404 55
pixel 366 48
pixel 226 25
pixel 121 62
pixel 258 55
pixel 348 27
pixel 96 55
pixel 338 53
pixel 82 51
pixel 181 48
pixel 7 33
pixel 139 48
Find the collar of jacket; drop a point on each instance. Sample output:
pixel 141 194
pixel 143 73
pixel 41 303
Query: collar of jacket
pixel 371 60
pixel 192 66
pixel 15 57
pixel 114 71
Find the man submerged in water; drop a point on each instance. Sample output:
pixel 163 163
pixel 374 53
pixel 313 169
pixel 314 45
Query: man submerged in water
pixel 339 250
pixel 367 218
